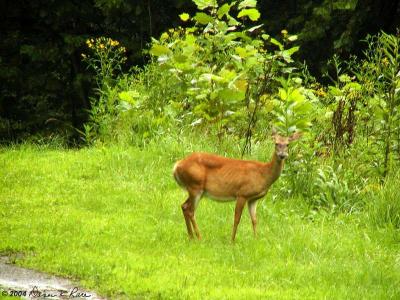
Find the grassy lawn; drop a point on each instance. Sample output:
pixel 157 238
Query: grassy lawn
pixel 110 218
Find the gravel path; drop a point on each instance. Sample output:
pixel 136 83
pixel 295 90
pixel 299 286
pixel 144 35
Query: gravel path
pixel 28 284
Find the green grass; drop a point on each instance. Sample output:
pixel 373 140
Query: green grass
pixel 110 217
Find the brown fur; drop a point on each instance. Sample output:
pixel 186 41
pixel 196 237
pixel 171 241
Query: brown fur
pixel 227 179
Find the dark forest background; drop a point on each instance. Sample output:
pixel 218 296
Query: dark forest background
pixel 45 87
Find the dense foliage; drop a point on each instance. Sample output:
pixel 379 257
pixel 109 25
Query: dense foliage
pixel 46 86
pixel 221 74
pixel 138 93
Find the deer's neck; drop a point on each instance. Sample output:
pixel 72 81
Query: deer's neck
pixel 273 169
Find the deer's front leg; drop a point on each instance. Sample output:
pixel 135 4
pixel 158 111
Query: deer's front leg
pixel 240 202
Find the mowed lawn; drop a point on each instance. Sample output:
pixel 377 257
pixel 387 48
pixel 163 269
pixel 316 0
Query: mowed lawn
pixel 111 219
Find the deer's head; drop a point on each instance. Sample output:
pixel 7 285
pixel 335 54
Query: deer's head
pixel 282 143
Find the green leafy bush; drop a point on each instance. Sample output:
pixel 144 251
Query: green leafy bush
pixel 105 58
pixel 222 75
pixel 379 74
pixel 224 67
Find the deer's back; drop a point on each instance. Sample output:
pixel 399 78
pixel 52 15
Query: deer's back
pixel 219 177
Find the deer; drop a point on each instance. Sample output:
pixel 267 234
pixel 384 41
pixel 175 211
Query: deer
pixel 226 179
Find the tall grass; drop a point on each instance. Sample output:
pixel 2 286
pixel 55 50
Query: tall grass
pixel 110 217
pixel 383 205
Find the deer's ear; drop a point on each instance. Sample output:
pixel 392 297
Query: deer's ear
pixel 274 133
pixel 295 136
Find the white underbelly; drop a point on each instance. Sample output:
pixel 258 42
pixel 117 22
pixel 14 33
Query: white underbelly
pixel 219 198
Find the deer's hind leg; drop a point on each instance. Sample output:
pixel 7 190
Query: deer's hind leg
pixel 252 205
pixel 185 208
pixel 188 209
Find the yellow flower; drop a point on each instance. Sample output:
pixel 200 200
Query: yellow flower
pixel 385 61
pixel 164 36
pixel 320 92
pixel 83 55
pixel 284 32
pixel 101 46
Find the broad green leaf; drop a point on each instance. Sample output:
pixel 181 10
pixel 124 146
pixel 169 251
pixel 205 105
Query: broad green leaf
pixel 303 124
pixel 251 61
pixel 213 95
pixel 190 39
pixel 180 58
pixel 282 94
pixel 292 50
pixel 232 36
pixel 265 36
pixel 201 96
pixel 334 91
pixel 222 27
pixel 304 108
pixel 298 80
pixel 203 18
pixel 292 38
pixel 164 36
pixel 344 78
pixel 202 4
pixel 252 13
pixel 255 28
pixel 223 10
pixel 232 21
pixel 286 56
pixel 209 77
pixel 276 43
pixel 247 3
pixel 241 85
pixel 296 96
pixel 184 17
pixel 239 35
pixel 129 96
pixel 241 52
pixel 352 86
pixel 269 106
pixel 231 95
pixel 228 75
pixel 193 91
pixel 158 50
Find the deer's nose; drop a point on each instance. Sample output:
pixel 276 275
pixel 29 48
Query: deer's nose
pixel 283 155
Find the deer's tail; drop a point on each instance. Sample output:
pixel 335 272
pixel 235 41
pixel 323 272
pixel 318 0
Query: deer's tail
pixel 175 172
